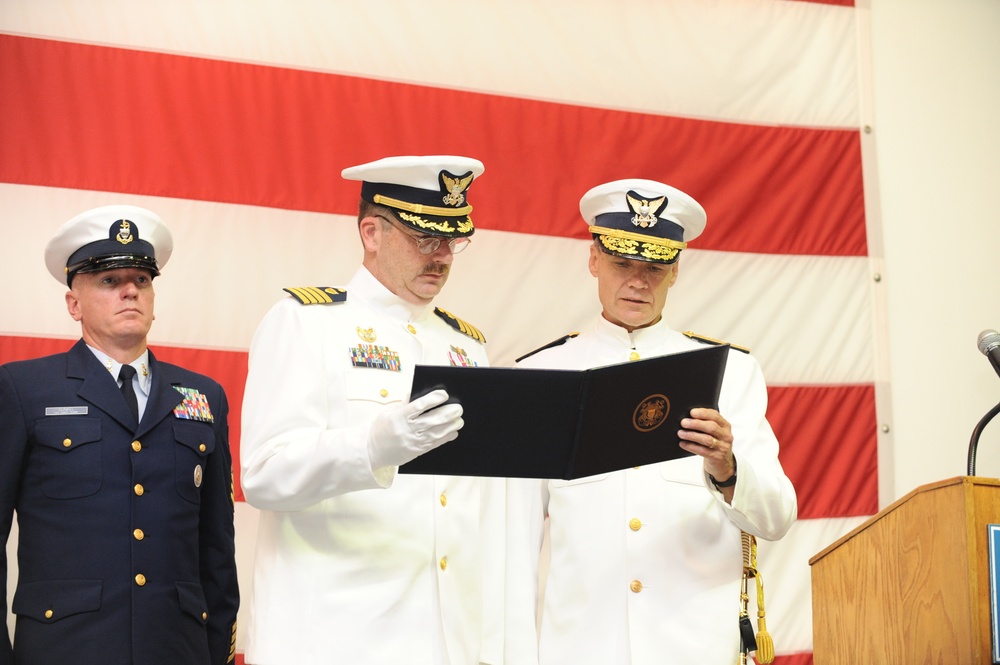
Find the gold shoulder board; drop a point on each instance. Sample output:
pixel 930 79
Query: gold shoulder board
pixel 317 295
pixel 555 342
pixel 460 325
pixel 710 340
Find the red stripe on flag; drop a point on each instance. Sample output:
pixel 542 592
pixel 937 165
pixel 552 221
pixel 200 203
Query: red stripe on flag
pixel 793 659
pixel 829 447
pixel 25 348
pixel 111 119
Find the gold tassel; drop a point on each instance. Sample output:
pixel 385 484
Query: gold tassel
pixel 765 644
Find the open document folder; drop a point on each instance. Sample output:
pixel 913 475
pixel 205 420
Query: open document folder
pixel 547 423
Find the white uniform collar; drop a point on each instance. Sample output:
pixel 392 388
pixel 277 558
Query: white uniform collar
pixel 615 335
pixel 366 287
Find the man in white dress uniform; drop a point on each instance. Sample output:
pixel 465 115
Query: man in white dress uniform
pixel 354 563
pixel 646 563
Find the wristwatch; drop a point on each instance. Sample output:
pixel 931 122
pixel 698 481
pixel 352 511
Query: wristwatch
pixel 728 482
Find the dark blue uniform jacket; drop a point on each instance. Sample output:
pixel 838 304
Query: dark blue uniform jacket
pixel 125 532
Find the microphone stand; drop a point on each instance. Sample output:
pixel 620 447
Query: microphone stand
pixel 974 442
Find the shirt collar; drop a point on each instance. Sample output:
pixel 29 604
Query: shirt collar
pixel 141 364
pixel 640 337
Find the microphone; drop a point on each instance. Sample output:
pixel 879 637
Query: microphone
pixel 989 346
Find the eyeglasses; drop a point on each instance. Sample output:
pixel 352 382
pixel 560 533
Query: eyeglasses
pixel 430 244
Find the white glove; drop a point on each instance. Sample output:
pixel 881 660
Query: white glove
pixel 403 432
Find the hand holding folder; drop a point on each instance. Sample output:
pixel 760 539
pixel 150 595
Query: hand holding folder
pixel 540 423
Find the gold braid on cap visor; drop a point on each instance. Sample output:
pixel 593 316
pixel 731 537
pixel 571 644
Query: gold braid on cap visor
pixel 464 226
pixel 623 242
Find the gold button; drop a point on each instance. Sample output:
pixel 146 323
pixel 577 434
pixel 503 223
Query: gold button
pixel 48 614
pixel 139 535
pixel 444 499
pixel 140 579
pixel 67 443
pixel 136 446
pixel 411 329
pixel 635 524
pixel 383 392
pixel 138 489
pixel 635 586
pixel 444 562
pixel 204 616
pixel 202 448
pixel 634 355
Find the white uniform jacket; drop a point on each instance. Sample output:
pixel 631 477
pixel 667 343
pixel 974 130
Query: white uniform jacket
pixel 646 563
pixel 353 566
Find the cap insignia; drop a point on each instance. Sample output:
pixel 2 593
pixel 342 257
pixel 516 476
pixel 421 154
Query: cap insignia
pixel 645 211
pixel 460 325
pixel 124 231
pixel 366 334
pixel 456 187
pixel 317 295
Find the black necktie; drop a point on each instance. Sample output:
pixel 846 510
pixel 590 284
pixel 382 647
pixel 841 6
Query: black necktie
pixel 125 374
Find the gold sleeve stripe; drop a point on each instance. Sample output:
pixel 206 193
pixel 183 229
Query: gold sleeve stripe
pixel 232 646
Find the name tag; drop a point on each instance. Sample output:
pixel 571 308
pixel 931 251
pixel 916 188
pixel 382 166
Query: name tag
pixel 65 410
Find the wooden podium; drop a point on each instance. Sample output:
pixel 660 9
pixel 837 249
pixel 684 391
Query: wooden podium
pixel 911 584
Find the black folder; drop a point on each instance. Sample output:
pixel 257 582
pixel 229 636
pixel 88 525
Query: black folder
pixel 546 423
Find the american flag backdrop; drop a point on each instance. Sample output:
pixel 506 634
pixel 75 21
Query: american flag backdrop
pixel 232 119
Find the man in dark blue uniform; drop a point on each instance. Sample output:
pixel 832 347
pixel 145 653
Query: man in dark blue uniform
pixel 119 470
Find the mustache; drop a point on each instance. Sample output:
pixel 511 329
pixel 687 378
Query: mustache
pixel 435 268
